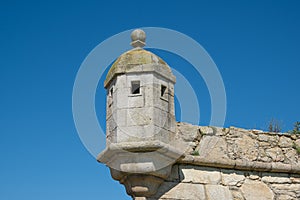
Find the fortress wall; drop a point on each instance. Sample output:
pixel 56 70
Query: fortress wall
pixel 234 163
pixel 191 182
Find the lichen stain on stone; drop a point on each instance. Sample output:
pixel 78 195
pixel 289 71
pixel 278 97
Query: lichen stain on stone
pixel 133 58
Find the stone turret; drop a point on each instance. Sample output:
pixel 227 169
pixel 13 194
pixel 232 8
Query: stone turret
pixel 140 96
pixel 140 120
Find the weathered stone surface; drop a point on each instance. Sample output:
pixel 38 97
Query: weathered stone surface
pixel 174 176
pixel 188 132
pixel 244 147
pixel 217 192
pixel 254 177
pixel 237 195
pixel 240 148
pixel 256 190
pixel 230 178
pixel 276 178
pixel 263 138
pixel 285 142
pixel 266 137
pixel 269 179
pixel 275 154
pixel 295 180
pixel 206 130
pixel 203 175
pixel 141 185
pixel 184 191
pixel 213 146
pixel 284 197
pixel 292 190
pixel 220 131
pixel 287 187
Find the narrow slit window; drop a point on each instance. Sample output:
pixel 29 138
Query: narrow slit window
pixel 135 87
pixel 163 91
pixel 111 91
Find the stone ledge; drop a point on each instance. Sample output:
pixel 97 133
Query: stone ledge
pixel 241 164
pixel 140 157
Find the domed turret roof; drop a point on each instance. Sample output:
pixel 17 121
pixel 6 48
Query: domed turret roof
pixel 138 60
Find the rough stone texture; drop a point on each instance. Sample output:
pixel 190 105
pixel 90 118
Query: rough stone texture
pixel 234 163
pixel 240 148
pixel 255 190
pixel 182 191
pixel 231 178
pixel 202 175
pixel 216 192
pixel 212 146
pixel 209 183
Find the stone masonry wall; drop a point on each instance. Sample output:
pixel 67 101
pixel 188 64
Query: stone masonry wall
pixel 191 182
pixel 233 163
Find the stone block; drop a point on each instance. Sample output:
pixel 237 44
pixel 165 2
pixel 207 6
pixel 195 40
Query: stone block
pixel 182 191
pixel 217 192
pixel 158 133
pixel 256 190
pixel 188 132
pixel 213 147
pixel 285 142
pixel 295 180
pixel 237 195
pixel 272 179
pixel 120 82
pixel 284 188
pixel 254 177
pixel 196 174
pixel 291 155
pixel 121 99
pixel 139 116
pixel 131 134
pixel 158 101
pixel 120 117
pixel 135 101
pixel 275 154
pixel 160 118
pixel 147 79
pixel 263 138
pixel 284 197
pixel 232 178
pixel 206 130
pixel 162 134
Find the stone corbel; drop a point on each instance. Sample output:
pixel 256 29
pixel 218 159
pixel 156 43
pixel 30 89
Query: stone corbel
pixel 140 166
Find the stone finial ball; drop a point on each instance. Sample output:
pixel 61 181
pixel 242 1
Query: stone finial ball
pixel 138 34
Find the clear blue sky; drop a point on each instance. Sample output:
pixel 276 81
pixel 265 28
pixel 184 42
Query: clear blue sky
pixel 255 45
